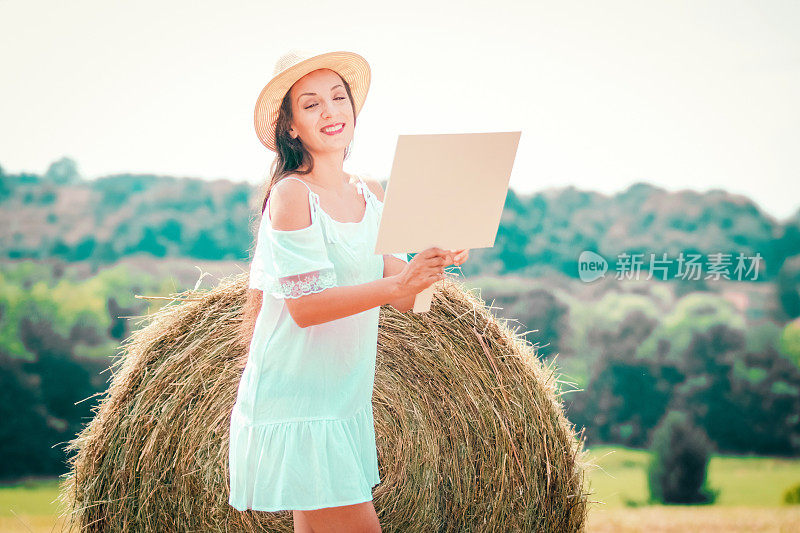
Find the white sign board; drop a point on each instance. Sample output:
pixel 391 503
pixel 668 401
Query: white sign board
pixel 446 190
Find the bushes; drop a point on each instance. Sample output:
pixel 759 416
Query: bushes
pixel 792 495
pixel 677 470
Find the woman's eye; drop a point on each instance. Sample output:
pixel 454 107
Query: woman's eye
pixel 337 98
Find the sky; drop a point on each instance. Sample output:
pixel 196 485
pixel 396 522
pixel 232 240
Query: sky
pixel 682 94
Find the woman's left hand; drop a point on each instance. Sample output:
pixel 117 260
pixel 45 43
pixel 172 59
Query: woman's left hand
pixel 460 256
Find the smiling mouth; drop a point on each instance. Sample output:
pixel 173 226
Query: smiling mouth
pixel 334 130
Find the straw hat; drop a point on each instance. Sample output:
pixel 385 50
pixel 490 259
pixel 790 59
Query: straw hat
pixel 294 65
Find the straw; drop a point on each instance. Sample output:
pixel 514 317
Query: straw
pixel 470 427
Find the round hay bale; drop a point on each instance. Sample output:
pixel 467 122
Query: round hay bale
pixel 470 428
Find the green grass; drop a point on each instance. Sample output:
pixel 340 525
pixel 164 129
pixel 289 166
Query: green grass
pixel 34 497
pixel 621 477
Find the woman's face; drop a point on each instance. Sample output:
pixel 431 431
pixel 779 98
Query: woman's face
pixel 319 100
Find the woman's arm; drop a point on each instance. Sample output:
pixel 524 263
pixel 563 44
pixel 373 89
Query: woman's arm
pixel 392 266
pixel 341 301
pixel 290 211
pixel 338 302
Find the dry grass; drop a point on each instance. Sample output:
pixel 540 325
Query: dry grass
pixel 470 427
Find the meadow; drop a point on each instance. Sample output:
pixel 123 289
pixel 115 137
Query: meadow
pixel 750 499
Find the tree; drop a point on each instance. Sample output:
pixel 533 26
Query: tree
pixel 679 463
pixel 63 172
pixel 790 341
pixel 788 287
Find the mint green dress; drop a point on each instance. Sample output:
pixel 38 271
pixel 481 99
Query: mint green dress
pixel 302 432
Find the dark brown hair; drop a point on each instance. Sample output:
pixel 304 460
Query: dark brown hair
pixel 291 154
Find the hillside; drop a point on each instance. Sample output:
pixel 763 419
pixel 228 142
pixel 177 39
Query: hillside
pixel 106 219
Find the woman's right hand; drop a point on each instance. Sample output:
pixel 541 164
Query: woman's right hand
pixel 424 269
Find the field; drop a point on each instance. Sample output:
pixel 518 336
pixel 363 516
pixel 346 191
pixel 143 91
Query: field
pixel 750 498
pixel 621 481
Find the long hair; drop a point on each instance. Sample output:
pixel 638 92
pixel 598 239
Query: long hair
pixel 291 154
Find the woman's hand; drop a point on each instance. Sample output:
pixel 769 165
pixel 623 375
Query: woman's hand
pixel 424 269
pixel 427 267
pixel 460 256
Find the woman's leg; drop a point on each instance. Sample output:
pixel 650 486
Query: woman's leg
pixel 300 523
pixel 356 518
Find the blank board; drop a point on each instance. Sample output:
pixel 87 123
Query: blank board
pixel 446 190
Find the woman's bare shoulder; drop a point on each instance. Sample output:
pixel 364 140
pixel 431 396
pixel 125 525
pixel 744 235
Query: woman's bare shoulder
pixel 289 206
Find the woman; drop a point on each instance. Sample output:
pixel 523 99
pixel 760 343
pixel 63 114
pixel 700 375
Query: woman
pixel 302 428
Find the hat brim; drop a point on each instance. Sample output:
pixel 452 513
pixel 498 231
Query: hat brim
pixel 350 66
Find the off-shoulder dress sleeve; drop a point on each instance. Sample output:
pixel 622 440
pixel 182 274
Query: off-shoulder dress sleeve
pixel 293 263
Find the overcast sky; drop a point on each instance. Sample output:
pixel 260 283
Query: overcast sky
pixel 692 94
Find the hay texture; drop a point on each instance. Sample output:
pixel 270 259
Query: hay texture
pixel 470 427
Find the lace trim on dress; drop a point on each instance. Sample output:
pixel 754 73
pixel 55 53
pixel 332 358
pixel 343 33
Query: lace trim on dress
pixel 305 283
